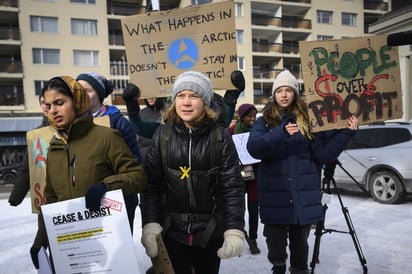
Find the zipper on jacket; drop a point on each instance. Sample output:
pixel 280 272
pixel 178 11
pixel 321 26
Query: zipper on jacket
pixel 189 181
pixel 73 167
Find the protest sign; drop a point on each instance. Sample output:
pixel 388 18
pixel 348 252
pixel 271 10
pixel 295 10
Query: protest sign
pixel 163 44
pixel 240 141
pixel 37 146
pixel 358 76
pixel 85 241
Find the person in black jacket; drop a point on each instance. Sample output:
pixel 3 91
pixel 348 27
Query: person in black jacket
pixel 151 113
pixel 198 207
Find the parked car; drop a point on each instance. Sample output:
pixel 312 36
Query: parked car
pixel 379 159
pixel 8 174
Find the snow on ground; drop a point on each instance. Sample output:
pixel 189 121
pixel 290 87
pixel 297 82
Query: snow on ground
pixel 383 232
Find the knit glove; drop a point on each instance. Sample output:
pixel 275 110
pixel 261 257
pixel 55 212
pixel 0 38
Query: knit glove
pixel 238 80
pixel 233 244
pixel 34 253
pixel 94 196
pixel 130 95
pixel 149 233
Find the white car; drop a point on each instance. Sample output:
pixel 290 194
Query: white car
pixel 379 158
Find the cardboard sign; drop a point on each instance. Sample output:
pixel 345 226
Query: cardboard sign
pixel 161 263
pixel 84 241
pixel 37 146
pixel 358 76
pixel 163 44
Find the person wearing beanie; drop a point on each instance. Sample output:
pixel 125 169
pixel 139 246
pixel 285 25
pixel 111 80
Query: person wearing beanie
pixel 98 88
pixel 83 159
pixel 224 106
pixel 247 117
pixel 197 176
pixel 289 179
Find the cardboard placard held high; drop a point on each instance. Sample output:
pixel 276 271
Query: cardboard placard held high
pixel 359 76
pixel 163 44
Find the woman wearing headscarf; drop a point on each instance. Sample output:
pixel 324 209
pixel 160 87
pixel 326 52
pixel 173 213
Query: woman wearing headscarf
pixel 84 159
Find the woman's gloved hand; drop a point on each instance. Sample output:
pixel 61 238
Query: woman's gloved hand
pixel 233 244
pixel 149 233
pixel 94 196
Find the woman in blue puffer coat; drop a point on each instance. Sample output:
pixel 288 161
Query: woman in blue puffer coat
pixel 288 178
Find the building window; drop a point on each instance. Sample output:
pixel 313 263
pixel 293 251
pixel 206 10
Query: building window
pixel 239 36
pixel 200 2
pixel 240 63
pixel 238 9
pixel 348 19
pixel 38 87
pixel 43 24
pixel 84 27
pixel 324 17
pixel 88 58
pixel 46 56
pixel 325 37
pixel 84 1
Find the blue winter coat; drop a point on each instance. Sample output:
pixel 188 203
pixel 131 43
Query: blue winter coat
pixel 119 122
pixel 288 177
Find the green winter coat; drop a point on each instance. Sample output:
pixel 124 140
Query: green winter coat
pixel 93 154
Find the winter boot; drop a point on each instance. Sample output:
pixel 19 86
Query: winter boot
pixel 298 271
pixel 279 269
pixel 254 249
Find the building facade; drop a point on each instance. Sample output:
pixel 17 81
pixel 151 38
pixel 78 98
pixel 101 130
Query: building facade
pixel 40 39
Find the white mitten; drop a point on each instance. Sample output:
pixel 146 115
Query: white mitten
pixel 233 244
pixel 149 233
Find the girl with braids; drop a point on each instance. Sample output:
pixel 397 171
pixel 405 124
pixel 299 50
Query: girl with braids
pixel 289 178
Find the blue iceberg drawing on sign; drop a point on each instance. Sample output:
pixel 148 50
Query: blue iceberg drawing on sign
pixel 183 53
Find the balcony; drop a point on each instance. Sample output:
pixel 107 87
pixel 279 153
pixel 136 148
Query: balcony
pixel 15 67
pixel 11 95
pixel 375 5
pixel 285 22
pixel 118 68
pixel 123 8
pixel 9 3
pixel 116 39
pixel 265 47
pixel 298 1
pixel 7 33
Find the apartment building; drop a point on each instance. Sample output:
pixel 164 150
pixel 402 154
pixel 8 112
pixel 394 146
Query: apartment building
pixel 40 39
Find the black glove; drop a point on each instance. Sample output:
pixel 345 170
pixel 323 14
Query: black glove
pixel 94 196
pixel 238 80
pixel 34 253
pixel 130 95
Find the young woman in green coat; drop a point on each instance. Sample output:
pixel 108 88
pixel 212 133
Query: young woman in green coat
pixel 84 159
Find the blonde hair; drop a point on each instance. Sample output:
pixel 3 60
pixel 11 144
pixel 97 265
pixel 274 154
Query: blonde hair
pixel 272 115
pixel 208 115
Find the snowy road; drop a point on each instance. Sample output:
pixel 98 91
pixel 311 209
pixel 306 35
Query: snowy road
pixel 384 233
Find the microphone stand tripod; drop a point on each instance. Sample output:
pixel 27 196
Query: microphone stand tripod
pixel 320 226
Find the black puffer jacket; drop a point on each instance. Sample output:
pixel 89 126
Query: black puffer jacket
pixel 216 191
